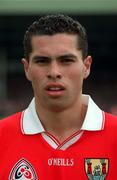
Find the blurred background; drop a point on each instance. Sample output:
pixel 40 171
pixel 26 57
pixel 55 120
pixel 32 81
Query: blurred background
pixel 99 17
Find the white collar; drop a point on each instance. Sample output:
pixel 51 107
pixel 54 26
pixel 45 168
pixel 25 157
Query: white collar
pixel 94 119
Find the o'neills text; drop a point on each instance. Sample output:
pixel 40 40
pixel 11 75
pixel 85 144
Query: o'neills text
pixel 60 162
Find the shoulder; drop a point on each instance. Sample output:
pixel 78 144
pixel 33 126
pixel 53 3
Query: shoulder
pixel 110 120
pixel 11 121
pixel 109 116
pixel 10 131
pixel 11 118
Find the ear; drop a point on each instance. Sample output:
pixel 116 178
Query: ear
pixel 26 68
pixel 87 66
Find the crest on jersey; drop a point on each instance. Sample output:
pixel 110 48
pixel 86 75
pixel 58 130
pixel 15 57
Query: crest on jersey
pixel 23 170
pixel 96 169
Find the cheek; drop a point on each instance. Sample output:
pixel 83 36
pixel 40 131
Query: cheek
pixel 36 74
pixel 75 74
pixel 37 80
pixel 75 79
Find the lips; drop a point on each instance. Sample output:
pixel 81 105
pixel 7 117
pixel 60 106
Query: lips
pixel 54 89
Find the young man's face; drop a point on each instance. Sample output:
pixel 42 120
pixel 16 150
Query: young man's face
pixel 56 70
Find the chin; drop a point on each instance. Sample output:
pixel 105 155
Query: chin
pixel 56 107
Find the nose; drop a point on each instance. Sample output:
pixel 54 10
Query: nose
pixel 54 71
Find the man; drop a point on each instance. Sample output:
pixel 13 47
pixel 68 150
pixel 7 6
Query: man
pixel 63 134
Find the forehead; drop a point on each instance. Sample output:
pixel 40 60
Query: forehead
pixel 51 43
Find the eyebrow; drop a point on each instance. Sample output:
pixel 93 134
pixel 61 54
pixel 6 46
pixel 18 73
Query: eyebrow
pixel 58 57
pixel 67 56
pixel 40 57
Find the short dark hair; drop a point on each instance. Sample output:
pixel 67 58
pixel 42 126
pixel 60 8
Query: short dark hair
pixel 53 24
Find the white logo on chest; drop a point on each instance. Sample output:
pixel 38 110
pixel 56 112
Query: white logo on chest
pixel 60 161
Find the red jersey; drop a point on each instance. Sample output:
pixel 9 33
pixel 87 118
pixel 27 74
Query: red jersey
pixel 28 152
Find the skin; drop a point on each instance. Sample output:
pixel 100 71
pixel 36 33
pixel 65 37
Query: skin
pixel 57 70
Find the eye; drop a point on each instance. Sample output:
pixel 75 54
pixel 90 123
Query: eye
pixel 67 60
pixel 41 60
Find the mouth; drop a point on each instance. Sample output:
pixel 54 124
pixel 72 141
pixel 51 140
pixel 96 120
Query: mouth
pixel 55 89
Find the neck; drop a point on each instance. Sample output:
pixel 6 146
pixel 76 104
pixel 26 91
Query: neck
pixel 64 123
